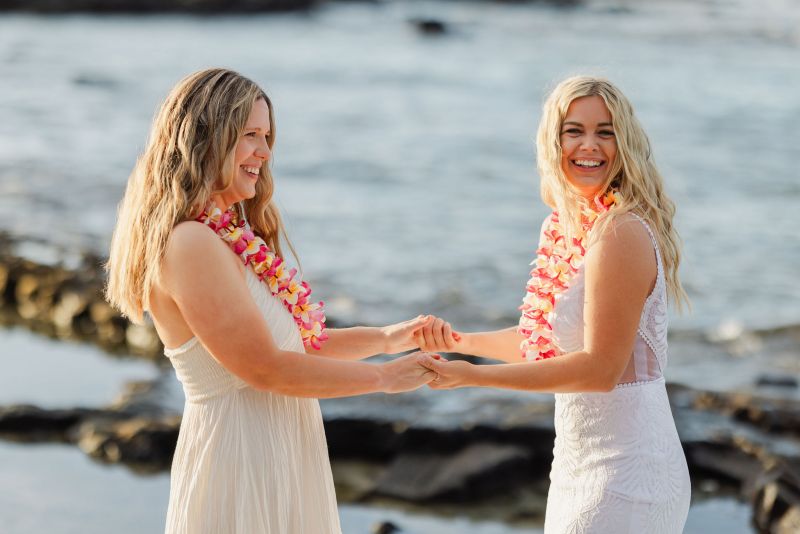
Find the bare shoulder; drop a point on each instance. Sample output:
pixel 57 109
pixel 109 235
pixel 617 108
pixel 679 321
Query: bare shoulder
pixel 626 235
pixel 191 235
pixel 624 252
pixel 193 246
pixel 191 240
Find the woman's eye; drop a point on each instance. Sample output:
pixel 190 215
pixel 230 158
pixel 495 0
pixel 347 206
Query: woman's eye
pixel 606 133
pixel 250 134
pixel 572 131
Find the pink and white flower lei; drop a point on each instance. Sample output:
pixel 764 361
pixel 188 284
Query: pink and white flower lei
pixel 270 269
pixel 556 263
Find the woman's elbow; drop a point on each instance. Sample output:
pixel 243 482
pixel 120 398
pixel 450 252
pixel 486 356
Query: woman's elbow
pixel 268 374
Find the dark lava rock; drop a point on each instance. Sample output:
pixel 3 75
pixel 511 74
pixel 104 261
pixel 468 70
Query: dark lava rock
pixel 385 527
pixel 68 303
pixel 769 414
pixel 470 474
pixel 429 26
pixel 379 427
pixel 142 443
pixel 777 381
pixel 776 500
pixel 29 423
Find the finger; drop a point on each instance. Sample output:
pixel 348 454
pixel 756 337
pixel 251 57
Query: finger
pixel 438 340
pixel 456 336
pixel 412 325
pixel 427 335
pixel 425 360
pixel 447 336
pixel 419 340
pixel 422 342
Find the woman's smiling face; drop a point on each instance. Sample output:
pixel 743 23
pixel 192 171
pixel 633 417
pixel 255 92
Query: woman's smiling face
pixel 588 145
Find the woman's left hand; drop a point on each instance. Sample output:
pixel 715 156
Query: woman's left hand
pixel 400 337
pixel 449 374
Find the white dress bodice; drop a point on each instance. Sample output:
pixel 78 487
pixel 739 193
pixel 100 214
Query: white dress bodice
pixel 246 460
pixel 649 357
pixel 618 465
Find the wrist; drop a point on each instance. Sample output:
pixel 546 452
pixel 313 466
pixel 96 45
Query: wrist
pixel 472 377
pixel 468 344
pixel 383 379
pixel 383 340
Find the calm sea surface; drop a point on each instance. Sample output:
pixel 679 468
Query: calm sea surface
pixel 405 163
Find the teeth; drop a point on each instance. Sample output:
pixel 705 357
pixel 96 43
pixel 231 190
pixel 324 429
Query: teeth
pixel 251 170
pixel 588 163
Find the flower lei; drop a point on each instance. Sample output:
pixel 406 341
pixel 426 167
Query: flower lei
pixel 270 269
pixel 556 263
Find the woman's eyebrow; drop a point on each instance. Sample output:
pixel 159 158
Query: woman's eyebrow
pixel 579 124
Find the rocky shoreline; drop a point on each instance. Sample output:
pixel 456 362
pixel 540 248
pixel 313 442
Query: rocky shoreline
pixel 493 445
pixel 67 303
pixel 460 448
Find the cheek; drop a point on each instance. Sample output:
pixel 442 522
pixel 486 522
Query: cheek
pixel 611 152
pixel 241 152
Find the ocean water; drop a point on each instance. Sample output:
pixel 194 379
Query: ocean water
pixel 405 163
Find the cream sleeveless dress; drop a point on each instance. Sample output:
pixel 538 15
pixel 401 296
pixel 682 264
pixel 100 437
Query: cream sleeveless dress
pixel 248 461
pixel 618 464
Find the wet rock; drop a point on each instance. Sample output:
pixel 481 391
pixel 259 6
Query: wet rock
pixel 30 423
pixel 385 527
pixel 72 302
pixel 142 339
pixel 722 460
pixel 67 303
pixel 776 500
pixel 470 474
pixel 429 26
pixel 380 427
pixel 132 432
pixel 777 381
pixel 769 414
pixel 142 443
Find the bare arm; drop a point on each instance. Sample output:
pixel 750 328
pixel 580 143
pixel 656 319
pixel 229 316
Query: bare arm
pixel 502 345
pixel 620 272
pixel 361 342
pixel 200 274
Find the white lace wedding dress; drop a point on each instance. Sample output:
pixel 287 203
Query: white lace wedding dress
pixel 248 461
pixel 618 465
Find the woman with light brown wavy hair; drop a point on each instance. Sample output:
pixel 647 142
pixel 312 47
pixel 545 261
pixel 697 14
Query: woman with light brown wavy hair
pixel 594 321
pixel 198 246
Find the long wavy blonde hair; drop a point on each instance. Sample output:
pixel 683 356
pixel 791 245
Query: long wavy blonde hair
pixel 633 173
pixel 189 157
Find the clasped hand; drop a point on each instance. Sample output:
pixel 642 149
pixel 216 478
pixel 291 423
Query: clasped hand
pixel 431 335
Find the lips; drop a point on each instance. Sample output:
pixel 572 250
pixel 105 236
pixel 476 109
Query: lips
pixel 253 172
pixel 587 164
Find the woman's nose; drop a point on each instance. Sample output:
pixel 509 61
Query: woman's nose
pixel 263 151
pixel 589 143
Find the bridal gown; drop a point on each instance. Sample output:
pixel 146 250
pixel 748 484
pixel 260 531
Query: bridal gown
pixel 248 461
pixel 618 464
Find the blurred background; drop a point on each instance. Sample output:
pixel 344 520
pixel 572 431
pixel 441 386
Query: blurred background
pixel 405 170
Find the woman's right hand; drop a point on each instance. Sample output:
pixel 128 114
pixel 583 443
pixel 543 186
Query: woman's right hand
pixel 406 373
pixel 439 336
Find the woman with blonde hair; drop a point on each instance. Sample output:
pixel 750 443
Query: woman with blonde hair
pixel 594 321
pixel 198 246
